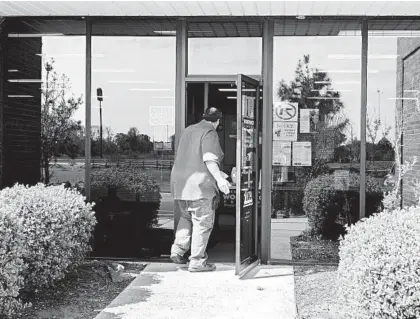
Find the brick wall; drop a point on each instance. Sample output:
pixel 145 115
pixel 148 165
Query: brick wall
pixel 21 117
pixel 408 78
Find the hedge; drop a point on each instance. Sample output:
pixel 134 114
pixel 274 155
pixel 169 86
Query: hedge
pixel 45 231
pixel 379 269
pixel 328 208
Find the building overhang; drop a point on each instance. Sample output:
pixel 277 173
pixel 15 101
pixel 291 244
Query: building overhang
pixel 208 8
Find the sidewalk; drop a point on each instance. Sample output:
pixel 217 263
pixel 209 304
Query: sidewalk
pixel 169 291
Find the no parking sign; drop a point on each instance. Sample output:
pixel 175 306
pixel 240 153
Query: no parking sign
pixel 285 111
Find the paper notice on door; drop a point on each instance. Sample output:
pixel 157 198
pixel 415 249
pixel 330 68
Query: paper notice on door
pixel 282 153
pixel 309 119
pixel 304 121
pixel 302 154
pixel 285 131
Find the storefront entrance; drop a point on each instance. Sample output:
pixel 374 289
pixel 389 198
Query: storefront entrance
pixel 236 235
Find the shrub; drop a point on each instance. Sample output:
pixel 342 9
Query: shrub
pixel 324 205
pixel 126 176
pixel 379 269
pixel 45 231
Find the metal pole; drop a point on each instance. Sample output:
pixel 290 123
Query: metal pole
pixel 206 95
pixel 267 136
pixel 363 113
pixel 88 93
pixel 100 125
pixel 181 73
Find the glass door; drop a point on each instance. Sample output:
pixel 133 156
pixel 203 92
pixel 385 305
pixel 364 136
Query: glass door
pixel 247 174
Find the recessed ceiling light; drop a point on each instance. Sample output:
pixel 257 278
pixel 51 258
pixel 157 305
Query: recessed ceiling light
pixel 163 97
pixel 113 71
pixel 141 89
pixel 323 98
pixel 95 55
pixel 235 90
pixel 33 35
pixel 382 33
pixel 345 90
pixel 402 98
pixel 358 56
pixel 344 71
pixel 25 80
pixel 13 70
pixel 17 96
pixel 166 32
pixel 131 81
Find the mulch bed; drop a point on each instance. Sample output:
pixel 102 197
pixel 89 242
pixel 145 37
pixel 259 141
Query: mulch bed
pixel 83 293
pixel 316 285
pixel 307 248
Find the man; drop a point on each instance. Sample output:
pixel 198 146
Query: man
pixel 195 183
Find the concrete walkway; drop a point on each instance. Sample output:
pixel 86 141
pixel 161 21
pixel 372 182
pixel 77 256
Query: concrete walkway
pixel 168 291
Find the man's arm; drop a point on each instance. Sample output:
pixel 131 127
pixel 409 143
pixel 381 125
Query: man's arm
pixel 214 170
pixel 212 154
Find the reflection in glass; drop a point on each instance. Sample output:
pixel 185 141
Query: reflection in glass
pixel 316 115
pixel 133 144
pixel 392 113
pixel 224 56
pixel 46 78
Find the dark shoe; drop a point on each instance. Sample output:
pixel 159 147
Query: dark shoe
pixel 203 268
pixel 178 259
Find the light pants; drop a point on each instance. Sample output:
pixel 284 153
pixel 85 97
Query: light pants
pixel 194 229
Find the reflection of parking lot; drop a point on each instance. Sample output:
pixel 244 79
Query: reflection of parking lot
pixel 166 205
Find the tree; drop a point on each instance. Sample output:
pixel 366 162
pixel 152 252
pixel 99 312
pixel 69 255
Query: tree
pixel 57 110
pixel 383 149
pixel 312 89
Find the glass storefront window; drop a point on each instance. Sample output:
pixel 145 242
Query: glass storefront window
pixel 316 116
pixel 133 102
pixel 224 56
pixel 392 111
pixel 45 113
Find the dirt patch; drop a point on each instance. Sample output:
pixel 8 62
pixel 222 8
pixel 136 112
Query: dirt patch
pixel 83 293
pixel 316 293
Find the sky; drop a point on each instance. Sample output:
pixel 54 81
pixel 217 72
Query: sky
pixel 137 75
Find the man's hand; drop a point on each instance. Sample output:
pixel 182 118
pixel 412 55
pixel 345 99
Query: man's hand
pixel 223 185
pixel 219 176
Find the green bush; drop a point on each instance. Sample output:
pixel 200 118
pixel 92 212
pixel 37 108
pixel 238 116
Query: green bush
pixel 126 177
pixel 45 231
pixel 324 205
pixel 379 269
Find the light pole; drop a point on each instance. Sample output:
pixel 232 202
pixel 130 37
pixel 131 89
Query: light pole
pixel 379 104
pixel 100 99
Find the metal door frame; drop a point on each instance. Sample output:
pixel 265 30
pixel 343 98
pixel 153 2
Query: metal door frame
pixel 252 263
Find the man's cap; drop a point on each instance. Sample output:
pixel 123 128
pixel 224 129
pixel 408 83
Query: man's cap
pixel 212 114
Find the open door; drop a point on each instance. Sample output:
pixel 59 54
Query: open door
pixel 247 252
